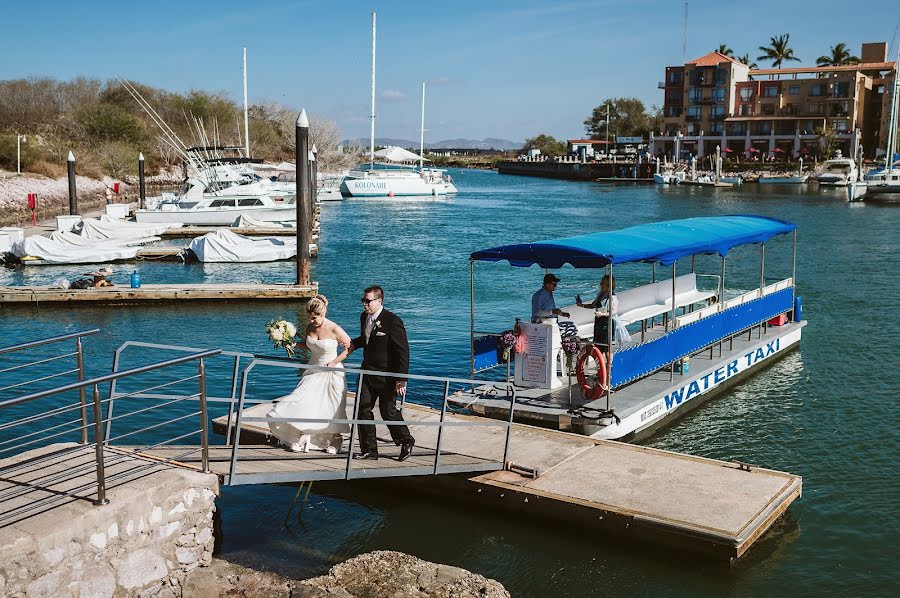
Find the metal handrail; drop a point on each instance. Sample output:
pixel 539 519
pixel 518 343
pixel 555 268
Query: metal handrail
pixel 355 421
pixel 108 378
pixel 47 341
pixel 238 356
pixel 99 438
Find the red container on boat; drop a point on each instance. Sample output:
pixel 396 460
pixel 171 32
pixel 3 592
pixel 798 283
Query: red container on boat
pixel 779 320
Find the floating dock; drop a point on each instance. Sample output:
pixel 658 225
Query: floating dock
pixel 156 293
pixel 713 507
pixel 644 406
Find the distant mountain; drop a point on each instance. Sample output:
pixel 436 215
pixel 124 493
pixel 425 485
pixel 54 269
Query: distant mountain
pixel 487 143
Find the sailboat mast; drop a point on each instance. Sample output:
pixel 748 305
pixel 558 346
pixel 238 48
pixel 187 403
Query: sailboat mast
pixel 422 132
pixel 892 122
pixel 246 111
pixel 372 131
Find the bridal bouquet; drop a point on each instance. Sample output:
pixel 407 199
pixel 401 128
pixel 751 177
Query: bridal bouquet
pixel 282 333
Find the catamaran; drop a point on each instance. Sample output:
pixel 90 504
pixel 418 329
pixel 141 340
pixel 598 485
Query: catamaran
pixel 396 175
pixel 689 339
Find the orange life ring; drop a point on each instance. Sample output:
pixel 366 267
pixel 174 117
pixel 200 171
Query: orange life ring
pixel 592 393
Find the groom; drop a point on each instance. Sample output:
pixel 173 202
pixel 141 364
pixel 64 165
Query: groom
pixel 383 340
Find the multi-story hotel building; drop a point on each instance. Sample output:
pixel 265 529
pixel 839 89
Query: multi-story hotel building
pixel 716 100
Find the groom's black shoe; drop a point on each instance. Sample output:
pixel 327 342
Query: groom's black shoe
pixel 371 455
pixel 406 449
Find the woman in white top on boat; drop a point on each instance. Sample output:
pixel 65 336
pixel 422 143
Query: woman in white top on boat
pixel 606 305
pixel 321 394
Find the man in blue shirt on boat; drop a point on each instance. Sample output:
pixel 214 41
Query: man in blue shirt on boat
pixel 542 303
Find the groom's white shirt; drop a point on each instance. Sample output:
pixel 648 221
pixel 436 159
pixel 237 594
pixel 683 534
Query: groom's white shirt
pixel 370 322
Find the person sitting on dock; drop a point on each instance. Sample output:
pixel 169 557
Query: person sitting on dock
pixel 100 277
pixel 543 305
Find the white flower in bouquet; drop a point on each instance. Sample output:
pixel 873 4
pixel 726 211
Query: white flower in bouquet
pixel 282 333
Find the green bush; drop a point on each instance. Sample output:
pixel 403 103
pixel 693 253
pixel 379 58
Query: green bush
pixel 106 122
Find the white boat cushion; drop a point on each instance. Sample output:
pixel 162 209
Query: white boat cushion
pixel 644 302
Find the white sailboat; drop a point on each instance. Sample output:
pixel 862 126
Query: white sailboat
pixel 884 181
pixel 396 175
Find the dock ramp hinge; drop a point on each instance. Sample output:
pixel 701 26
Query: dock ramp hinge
pixel 532 472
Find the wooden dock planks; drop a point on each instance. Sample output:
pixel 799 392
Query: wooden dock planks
pixel 155 293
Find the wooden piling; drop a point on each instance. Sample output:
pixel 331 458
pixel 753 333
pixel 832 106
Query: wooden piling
pixel 142 189
pixel 73 194
pixel 303 200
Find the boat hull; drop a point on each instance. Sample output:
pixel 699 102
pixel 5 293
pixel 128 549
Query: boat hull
pixel 395 187
pixel 783 180
pixel 697 389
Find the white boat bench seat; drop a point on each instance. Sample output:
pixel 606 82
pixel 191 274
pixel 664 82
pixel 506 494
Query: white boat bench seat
pixel 644 302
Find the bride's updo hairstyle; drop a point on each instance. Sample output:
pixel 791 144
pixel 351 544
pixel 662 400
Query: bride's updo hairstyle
pixel 317 305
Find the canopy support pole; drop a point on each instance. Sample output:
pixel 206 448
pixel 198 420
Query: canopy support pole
pixel 794 271
pixel 722 289
pixel 674 274
pixel 472 317
pixel 762 268
pixel 609 335
pixel 762 282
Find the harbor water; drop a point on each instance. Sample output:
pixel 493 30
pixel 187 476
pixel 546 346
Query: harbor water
pixel 826 412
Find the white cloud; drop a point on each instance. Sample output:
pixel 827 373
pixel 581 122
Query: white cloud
pixel 392 95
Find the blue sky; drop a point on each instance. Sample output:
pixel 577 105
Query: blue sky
pixel 499 68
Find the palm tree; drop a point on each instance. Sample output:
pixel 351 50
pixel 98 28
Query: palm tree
pixel 778 51
pixel 839 55
pixel 746 60
pixel 724 49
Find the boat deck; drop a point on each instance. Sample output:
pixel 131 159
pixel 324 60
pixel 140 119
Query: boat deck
pixel 565 408
pixel 155 293
pixel 711 506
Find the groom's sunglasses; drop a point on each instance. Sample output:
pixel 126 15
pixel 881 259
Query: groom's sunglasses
pixel 368 301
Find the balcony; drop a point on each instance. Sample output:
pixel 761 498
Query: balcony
pixel 692 118
pixel 661 85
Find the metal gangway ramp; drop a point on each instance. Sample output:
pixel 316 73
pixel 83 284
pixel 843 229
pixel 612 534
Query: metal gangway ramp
pixel 259 460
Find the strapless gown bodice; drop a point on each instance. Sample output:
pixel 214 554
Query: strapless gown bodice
pixel 321 350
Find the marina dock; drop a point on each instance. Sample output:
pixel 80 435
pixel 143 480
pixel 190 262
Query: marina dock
pixel 714 507
pixel 155 293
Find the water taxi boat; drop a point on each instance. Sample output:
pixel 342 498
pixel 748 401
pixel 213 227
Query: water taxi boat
pixel 688 342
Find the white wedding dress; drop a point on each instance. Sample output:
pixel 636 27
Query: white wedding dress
pixel 320 395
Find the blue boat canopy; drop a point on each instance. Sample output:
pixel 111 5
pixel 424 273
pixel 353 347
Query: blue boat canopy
pixel 661 242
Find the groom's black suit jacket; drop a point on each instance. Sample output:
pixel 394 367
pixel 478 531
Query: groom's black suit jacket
pixel 387 349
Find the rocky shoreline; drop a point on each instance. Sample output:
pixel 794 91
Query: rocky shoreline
pixel 379 574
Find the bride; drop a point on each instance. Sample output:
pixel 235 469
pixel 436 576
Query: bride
pixel 321 394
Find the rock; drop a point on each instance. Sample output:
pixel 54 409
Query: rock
pixel 46 585
pixel 380 574
pixel 140 568
pixel 227 579
pixel 187 555
pixel 204 536
pixel 97 582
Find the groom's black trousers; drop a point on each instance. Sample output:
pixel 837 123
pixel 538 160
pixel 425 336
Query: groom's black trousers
pixel 383 391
